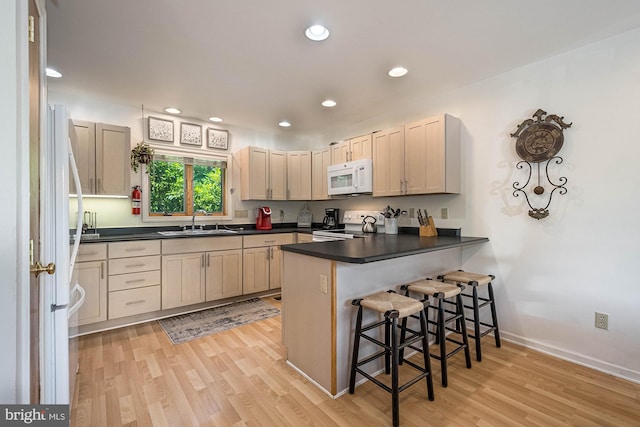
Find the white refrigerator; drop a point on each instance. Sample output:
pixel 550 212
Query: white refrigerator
pixel 59 298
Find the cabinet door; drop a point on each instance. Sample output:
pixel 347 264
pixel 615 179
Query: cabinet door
pixel 113 146
pixel 83 137
pixel 278 175
pixel 255 270
pixel 224 274
pixel 299 175
pixel 254 171
pixel 320 160
pixel 92 276
pixel 275 267
pixel 388 162
pixel 340 153
pixel 183 280
pixel 360 148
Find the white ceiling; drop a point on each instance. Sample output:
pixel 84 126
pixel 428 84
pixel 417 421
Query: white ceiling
pixel 249 62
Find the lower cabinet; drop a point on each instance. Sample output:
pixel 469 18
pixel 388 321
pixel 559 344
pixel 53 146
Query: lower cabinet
pixel 262 262
pixel 183 280
pixel 90 271
pixel 223 278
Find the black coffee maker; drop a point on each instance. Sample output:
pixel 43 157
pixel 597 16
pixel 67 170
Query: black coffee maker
pixel 331 218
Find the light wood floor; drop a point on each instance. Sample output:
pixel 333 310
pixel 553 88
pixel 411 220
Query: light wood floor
pixel 135 376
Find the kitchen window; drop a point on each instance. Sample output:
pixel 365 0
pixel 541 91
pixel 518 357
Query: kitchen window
pixel 177 185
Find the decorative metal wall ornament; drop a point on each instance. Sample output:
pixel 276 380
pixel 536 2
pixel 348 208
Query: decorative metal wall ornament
pixel 538 141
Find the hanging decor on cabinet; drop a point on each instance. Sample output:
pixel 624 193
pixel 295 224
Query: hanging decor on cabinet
pixel 538 142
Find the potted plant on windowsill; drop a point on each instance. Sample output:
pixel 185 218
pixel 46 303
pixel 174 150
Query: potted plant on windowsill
pixel 141 154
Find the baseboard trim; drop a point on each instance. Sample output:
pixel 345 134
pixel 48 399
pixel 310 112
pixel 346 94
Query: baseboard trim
pixel 579 359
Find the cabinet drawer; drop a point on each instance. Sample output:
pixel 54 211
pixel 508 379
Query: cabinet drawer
pixel 134 265
pixel 92 252
pixel 134 301
pixel 201 244
pixel 268 240
pixel 134 280
pixel 137 248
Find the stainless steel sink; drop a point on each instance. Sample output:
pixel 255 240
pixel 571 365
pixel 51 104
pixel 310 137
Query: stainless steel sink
pixel 197 232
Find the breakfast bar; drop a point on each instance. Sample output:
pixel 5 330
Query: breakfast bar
pixel 320 279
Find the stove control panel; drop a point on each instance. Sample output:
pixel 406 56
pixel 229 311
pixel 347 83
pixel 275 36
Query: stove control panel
pixel 356 217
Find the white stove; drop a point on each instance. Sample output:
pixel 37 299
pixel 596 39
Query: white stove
pixel 352 221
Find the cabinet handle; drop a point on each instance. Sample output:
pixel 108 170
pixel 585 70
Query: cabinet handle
pixel 135 281
pixel 134 265
pixel 406 186
pixel 88 253
pixel 139 301
pixel 202 260
pixel 91 188
pixel 102 270
pixel 134 249
pixel 269 241
pixel 268 253
pixel 208 259
pixel 98 185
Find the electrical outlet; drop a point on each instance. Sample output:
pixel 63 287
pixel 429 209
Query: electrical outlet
pixel 444 213
pixel 412 212
pixel 241 213
pixel 602 320
pixel 324 285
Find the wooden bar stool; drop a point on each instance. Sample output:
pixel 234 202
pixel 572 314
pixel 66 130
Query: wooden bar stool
pixel 392 306
pixel 477 280
pixel 442 292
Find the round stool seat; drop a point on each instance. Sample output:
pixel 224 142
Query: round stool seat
pixel 384 302
pixel 432 287
pixel 466 277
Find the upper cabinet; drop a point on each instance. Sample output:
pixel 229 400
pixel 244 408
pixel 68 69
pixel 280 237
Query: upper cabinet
pixel 102 155
pixel 422 157
pixel 320 160
pixel 352 149
pixel 263 174
pixel 298 175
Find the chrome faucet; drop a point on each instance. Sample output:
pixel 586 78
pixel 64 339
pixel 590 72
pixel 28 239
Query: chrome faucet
pixel 193 218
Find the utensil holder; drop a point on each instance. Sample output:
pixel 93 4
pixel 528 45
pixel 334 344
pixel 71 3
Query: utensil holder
pixel 428 230
pixel 391 226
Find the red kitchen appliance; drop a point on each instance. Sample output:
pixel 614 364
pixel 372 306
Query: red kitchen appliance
pixel 263 220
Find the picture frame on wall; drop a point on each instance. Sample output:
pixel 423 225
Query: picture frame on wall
pixel 160 129
pixel 218 139
pixel 190 134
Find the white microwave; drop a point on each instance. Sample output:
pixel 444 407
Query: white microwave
pixel 350 177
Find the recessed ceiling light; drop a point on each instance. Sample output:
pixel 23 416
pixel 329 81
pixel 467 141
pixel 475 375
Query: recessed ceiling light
pixel 398 71
pixel 328 103
pixel 284 124
pixel 317 33
pixel 172 110
pixel 53 73
pixel 215 119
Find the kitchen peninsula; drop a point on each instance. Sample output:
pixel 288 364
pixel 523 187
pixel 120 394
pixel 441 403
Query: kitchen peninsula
pixel 320 279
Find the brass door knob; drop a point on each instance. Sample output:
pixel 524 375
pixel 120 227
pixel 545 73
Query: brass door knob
pixel 39 268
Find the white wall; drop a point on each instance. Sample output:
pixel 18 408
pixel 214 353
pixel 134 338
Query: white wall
pixel 552 274
pixel 14 175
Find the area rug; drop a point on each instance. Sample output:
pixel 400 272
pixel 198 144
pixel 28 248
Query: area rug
pixel 187 327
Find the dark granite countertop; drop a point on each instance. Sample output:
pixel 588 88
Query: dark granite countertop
pixel 153 233
pixel 379 247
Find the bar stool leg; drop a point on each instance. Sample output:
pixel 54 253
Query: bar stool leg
pixel 387 337
pixel 494 316
pixel 394 373
pixel 425 353
pixel 441 341
pixel 463 329
pixel 356 347
pixel 476 318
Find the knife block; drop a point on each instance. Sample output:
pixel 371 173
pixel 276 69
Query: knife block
pixel 428 230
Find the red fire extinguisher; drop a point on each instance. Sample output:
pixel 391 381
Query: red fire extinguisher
pixel 136 196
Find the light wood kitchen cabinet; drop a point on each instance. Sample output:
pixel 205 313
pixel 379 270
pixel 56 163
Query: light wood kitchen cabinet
pixel 298 175
pixel 263 174
pixel 191 268
pixel 432 155
pixel 262 261
pixel 352 149
pixel 388 162
pixel 320 160
pixel 134 278
pixel 102 154
pixel 90 271
pixel 223 274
